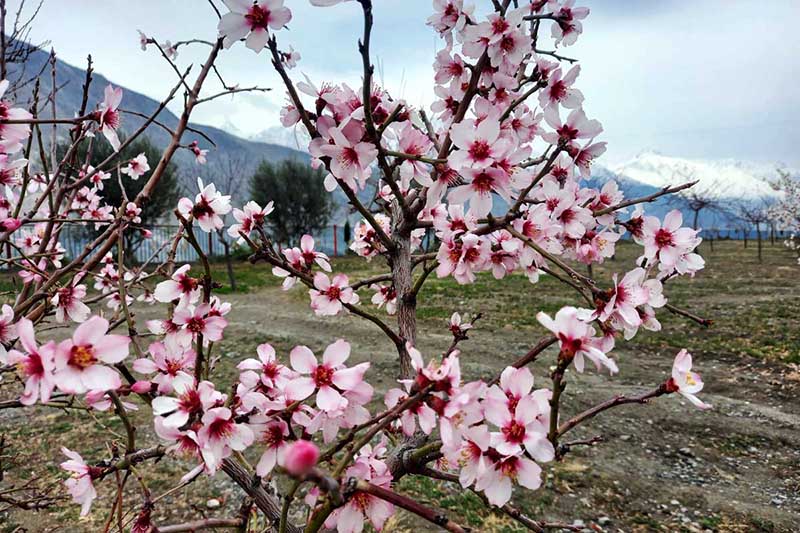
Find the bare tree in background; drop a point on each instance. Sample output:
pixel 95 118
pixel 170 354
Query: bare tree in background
pixel 755 215
pixel 16 45
pixel 228 172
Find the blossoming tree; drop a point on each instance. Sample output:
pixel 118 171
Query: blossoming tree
pixel 493 171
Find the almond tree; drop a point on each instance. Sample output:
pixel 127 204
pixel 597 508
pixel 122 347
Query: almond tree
pixel 507 124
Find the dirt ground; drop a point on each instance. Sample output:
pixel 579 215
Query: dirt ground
pixel 661 467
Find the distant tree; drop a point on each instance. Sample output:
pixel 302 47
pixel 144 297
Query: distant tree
pixel 756 215
pixel 228 173
pixel 165 196
pixel 302 205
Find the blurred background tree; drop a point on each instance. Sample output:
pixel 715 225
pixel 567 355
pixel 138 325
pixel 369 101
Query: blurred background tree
pixel 302 205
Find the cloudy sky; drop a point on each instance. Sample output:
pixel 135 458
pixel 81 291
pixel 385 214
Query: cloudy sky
pixel 689 78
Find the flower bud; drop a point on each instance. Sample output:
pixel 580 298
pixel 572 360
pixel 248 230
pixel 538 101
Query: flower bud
pixel 301 457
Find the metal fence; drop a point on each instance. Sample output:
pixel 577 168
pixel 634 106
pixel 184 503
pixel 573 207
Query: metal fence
pixel 330 240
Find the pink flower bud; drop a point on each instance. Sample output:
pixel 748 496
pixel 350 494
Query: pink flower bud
pixel 11 224
pixel 301 457
pixel 141 387
pixel 147 234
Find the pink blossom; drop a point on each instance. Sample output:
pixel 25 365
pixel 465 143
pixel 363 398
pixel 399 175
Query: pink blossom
pixel 478 146
pixel 180 287
pixel 199 155
pixel 668 243
pixel 170 367
pixel 301 457
pixel 79 360
pixel 385 295
pixel 480 185
pixel 12 134
pixel 462 258
pixel 272 434
pixel 252 19
pixel 80 484
pixel 559 90
pixel 221 434
pixel 567 26
pixel 248 218
pixel 265 370
pixel 132 212
pixel 8 330
pixel 328 296
pixel 136 167
pixel 577 126
pixel 199 321
pixel 207 207
pixel 576 338
pixel 191 400
pixel 35 365
pixel 68 303
pixel 328 378
pixel 108 116
pixel 350 157
pixel 496 480
pixel 684 381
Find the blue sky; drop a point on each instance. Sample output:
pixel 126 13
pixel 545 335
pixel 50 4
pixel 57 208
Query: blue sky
pixel 700 78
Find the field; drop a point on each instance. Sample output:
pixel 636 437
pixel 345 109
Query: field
pixel 661 467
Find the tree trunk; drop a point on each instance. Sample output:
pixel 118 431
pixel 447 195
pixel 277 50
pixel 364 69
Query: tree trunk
pixel 758 236
pixel 404 286
pixel 229 263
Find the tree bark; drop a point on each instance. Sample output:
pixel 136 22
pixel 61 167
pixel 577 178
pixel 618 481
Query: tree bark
pixel 404 286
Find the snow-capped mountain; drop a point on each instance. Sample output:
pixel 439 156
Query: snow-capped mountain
pixel 295 138
pixel 726 179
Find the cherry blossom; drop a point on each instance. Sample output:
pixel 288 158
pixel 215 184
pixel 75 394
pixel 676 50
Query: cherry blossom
pixel 328 378
pixel 684 381
pixel 136 167
pixel 328 296
pixel 253 20
pixel 207 207
pixel 180 287
pixel 68 303
pixel 79 360
pixel 576 338
pixel 35 365
pixel 80 484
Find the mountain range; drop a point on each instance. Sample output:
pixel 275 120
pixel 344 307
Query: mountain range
pixel 728 182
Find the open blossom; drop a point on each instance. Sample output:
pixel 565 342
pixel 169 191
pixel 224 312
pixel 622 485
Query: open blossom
pixel 221 434
pixel 35 365
pixel 328 295
pixel 80 484
pixel 180 287
pixel 576 338
pixel 200 321
pixel 265 370
pixel 327 378
pixel 559 90
pixel 207 207
pixel 109 116
pixel 479 146
pixel 170 367
pixel 12 134
pixel 252 19
pixel 190 400
pixel 132 212
pixel 668 242
pixel 350 157
pixel 684 381
pixel 79 360
pixel 136 167
pixel 567 26
pixel 249 217
pixel 577 126
pixel 68 303
pixel 462 258
pixel 385 294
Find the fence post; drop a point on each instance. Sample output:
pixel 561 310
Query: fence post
pixel 335 242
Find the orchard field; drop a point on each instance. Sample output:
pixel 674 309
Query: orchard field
pixel 658 468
